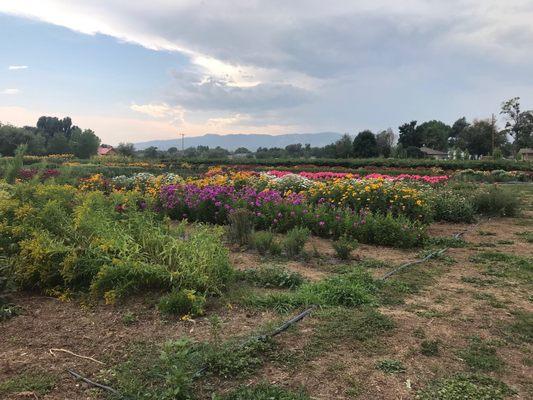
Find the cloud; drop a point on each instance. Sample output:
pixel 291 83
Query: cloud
pixel 17 67
pixel 10 91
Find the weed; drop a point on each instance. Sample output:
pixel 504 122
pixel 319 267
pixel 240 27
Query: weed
pixel 372 263
pixel 263 241
pixel 496 202
pixel 240 226
pixel 272 277
pixel 446 241
pixel 349 327
pixel 477 281
pixel 390 366
pixel 489 298
pixel 344 246
pixel 419 333
pixel 526 235
pixel 262 391
pixel 295 240
pixel 465 387
pixel 129 318
pixel 486 233
pixel 505 265
pixel 183 303
pixel 37 382
pixel 481 356
pixel 430 348
pixel 521 330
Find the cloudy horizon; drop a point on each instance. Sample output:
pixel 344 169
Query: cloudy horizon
pixel 137 71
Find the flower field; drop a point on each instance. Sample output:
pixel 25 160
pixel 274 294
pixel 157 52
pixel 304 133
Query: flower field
pixel 215 257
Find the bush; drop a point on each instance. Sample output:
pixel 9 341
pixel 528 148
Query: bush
pixel 295 240
pixel 452 207
pixel 182 303
pixel 240 226
pixel 263 241
pixel 497 202
pixel 344 246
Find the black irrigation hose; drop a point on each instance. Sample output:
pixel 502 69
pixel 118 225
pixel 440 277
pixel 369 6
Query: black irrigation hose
pixel 92 383
pixel 429 256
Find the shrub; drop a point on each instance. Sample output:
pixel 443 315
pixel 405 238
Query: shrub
pixel 240 226
pixel 273 276
pixel 182 303
pixel 452 207
pixel 497 202
pixel 295 240
pixel 14 166
pixel 344 246
pixel 263 241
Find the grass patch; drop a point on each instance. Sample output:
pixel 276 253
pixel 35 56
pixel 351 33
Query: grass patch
pixel 481 356
pixel 527 236
pixel 37 382
pixel 348 290
pixel 477 281
pixel 430 348
pixel 272 277
pixel 262 391
pixel 521 330
pixel 489 298
pixel 390 366
pixel 504 265
pixel 446 241
pixel 466 387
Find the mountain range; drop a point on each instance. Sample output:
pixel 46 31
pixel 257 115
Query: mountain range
pixel 250 141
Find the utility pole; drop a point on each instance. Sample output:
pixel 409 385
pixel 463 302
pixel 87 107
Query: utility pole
pixel 493 123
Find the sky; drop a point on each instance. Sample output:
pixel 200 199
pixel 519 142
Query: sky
pixel 135 70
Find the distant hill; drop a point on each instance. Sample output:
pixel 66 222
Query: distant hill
pixel 250 141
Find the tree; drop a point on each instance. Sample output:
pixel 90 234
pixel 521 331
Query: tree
pixel 242 150
pixel 58 144
pixel 150 152
pixel 126 149
pixel 294 150
pixel 457 131
pixel 343 147
pixel 519 124
pixel 409 135
pixel 365 145
pixel 84 144
pixel 478 137
pixel 434 134
pixel 385 141
pixel 12 137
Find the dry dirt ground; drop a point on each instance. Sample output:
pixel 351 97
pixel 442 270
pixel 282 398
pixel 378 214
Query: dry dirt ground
pixel 459 302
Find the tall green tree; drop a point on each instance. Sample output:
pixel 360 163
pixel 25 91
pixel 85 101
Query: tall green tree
pixel 457 131
pixel 127 149
pixel 365 145
pixel 84 144
pixel 343 147
pixel 434 134
pixel 409 135
pixel 385 141
pixel 478 138
pixel 519 124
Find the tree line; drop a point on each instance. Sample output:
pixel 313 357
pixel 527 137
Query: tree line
pixel 50 135
pixel 480 137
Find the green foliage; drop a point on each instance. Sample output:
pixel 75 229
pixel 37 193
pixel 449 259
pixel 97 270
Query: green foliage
pixel 294 241
pixel 452 207
pixel 466 387
pixel 504 265
pixel 344 246
pixel 521 329
pixel 38 382
pixel 390 366
pixel 272 277
pixel 429 348
pixel 350 326
pixel 496 202
pixel 264 242
pixel 14 166
pixel 349 290
pixel 240 226
pixel 262 391
pixel 365 145
pixel 62 241
pixel 182 303
pixel 446 241
pixel 481 356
